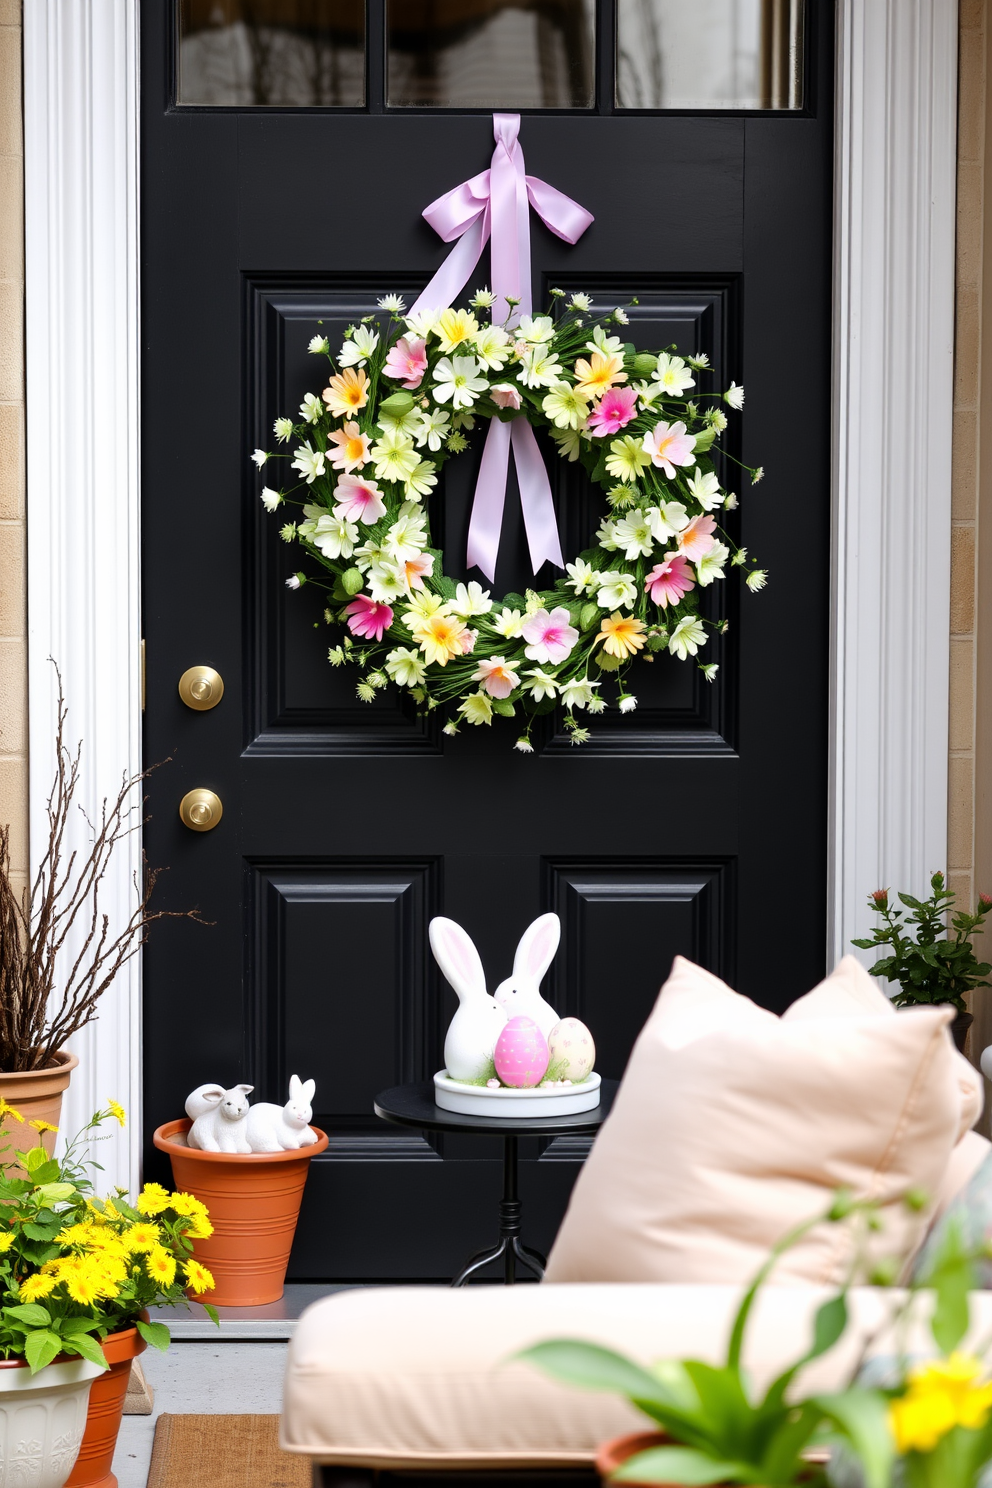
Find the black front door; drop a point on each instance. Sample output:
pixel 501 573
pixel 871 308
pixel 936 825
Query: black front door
pixel 289 148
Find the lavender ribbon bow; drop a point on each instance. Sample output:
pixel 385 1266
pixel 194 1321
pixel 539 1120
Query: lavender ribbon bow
pixel 496 204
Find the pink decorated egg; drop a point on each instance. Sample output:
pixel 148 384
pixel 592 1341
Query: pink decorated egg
pixel 571 1050
pixel 521 1054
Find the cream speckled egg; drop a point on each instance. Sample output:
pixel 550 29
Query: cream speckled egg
pixel 521 1054
pixel 571 1050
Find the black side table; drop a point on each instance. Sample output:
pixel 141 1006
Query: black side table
pixel 414 1105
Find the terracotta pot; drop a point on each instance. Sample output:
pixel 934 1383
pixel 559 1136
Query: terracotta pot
pixel 103 1421
pixel 37 1094
pixel 254 1202
pixel 612 1453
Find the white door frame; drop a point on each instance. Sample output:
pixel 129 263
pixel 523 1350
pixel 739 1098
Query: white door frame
pixel 893 373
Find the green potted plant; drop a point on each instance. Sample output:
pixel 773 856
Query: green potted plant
pixel 713 1428
pixel 928 964
pixel 77 1276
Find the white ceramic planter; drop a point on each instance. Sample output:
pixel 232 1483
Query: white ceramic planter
pixel 42 1420
pixel 479 1100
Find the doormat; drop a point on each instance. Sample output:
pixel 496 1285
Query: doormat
pixel 224 1452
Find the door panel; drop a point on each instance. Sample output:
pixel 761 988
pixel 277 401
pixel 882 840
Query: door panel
pixel 695 826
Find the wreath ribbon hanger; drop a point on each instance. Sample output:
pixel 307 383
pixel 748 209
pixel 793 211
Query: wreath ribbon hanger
pixel 496 204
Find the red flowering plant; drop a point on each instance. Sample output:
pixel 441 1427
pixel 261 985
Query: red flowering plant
pixel 930 966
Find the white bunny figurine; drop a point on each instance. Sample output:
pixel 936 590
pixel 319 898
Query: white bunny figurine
pixel 203 1099
pixel 520 994
pixel 222 1127
pixel 283 1128
pixel 986 1062
pixel 473 1031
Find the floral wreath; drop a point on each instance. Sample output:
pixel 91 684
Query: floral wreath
pixel 397 403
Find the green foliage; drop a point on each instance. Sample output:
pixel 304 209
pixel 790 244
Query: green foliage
pixel 719 1432
pixel 930 966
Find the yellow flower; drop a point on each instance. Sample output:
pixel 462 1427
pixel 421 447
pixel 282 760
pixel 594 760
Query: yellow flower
pixel 6 1110
pixel 185 1203
pixel 33 1287
pixel 454 328
pixel 161 1266
pixel 621 635
pixel 152 1199
pixel 198 1277
pixel 440 637
pixel 77 1234
pixel 43 1126
pixel 6 1241
pixel 142 1237
pixel 199 1227
pixel 347 392
pixel 82 1287
pixel 595 376
pixel 939 1396
pixel 118 1111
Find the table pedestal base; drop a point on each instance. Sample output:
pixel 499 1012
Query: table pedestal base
pixel 509 1245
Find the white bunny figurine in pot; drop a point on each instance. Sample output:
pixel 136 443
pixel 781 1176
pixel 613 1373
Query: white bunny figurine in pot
pixel 473 1031
pixel 283 1128
pixel 221 1118
pixel 520 994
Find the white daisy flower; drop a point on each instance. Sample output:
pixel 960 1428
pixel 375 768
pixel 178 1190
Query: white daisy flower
pixel 311 409
pixel 471 599
pixel 317 345
pixel 672 375
pixel 618 591
pixel 734 396
pixel 309 462
pixel 492 347
pixel 581 576
pixel 633 535
pixel 393 303
pixel 457 379
pixel 667 520
pixel 705 488
pixel 539 367
pixel 756 580
pixel 710 566
pixel 579 693
pixel 579 302
pixel 359 348
pixel 260 456
pixel 710 670
pixel 536 329
pixel 432 428
pixel 541 685
pixel 422 323
pixel 687 637
pixel 282 429
pixel 271 500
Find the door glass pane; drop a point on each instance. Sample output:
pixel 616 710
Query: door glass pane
pixel 491 53
pixel 710 54
pixel 276 53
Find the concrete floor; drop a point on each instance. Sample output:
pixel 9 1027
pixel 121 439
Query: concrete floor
pixel 205 1379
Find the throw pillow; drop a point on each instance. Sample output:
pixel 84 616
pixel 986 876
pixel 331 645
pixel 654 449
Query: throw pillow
pixel 732 1125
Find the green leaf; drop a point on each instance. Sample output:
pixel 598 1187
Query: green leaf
pixel 35 1158
pixel 829 1324
pixel 211 1312
pixel 53 1193
pixel 70 1326
pixel 680 1465
pixel 727 1411
pixel 42 1231
pixel 704 439
pixel 591 1367
pixel 157 1334
pixel 40 1348
pixel 861 1417
pixel 910 902
pixel 30 1313
pixel 87 1347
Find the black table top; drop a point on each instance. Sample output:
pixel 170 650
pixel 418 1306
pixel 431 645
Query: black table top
pixel 414 1105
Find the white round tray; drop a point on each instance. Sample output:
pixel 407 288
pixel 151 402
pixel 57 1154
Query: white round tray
pixel 479 1100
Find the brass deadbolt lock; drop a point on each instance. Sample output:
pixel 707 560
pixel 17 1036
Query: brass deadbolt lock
pixel 200 687
pixel 200 810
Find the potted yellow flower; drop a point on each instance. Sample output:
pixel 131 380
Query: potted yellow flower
pixel 77 1276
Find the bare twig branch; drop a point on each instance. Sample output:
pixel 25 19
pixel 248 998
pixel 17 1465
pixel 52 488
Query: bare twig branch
pixel 45 1000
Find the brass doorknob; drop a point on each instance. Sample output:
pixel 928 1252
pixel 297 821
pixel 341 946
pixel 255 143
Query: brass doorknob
pixel 200 687
pixel 200 810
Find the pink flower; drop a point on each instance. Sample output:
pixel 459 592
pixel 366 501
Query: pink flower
pixel 697 539
pixel 551 636
pixel 505 395
pixel 368 619
pixel 669 445
pixel 416 570
pixel 467 640
pixel 497 677
pixel 616 408
pixel 358 498
pixel 407 361
pixel 668 581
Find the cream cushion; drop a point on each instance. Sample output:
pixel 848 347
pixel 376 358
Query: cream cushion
pixel 732 1125
pixel 420 1377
